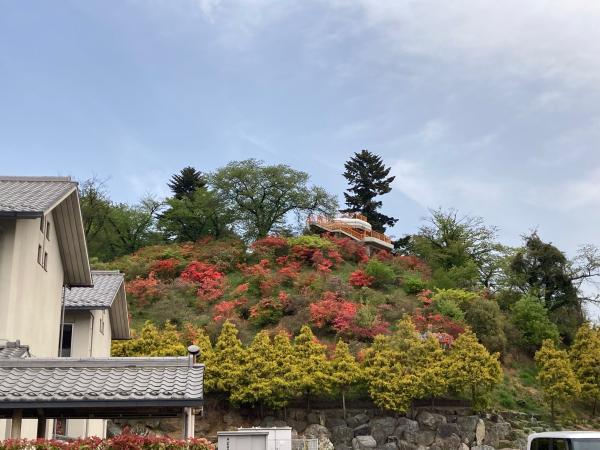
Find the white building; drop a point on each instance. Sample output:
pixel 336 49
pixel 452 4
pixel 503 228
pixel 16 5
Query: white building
pixel 53 306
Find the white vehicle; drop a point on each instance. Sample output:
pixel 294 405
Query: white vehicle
pixel 564 440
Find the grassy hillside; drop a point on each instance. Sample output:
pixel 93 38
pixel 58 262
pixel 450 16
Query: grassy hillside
pixel 280 284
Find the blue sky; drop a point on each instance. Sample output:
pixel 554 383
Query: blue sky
pixel 490 107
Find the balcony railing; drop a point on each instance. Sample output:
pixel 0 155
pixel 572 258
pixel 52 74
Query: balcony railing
pixel 330 225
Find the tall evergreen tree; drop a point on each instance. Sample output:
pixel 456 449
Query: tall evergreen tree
pixel 585 360
pixel 186 182
pixel 368 177
pixel 555 375
pixel 345 370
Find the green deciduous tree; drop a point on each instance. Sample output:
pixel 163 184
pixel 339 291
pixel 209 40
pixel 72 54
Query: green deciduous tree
pixel 263 195
pixel 555 375
pixel 585 360
pixel 368 178
pixel 461 250
pixel 151 342
pixel 311 371
pixel 472 370
pixel 186 182
pixel 345 370
pixel 530 317
pixel 190 217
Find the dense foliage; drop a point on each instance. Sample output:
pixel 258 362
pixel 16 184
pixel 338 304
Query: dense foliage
pixel 220 264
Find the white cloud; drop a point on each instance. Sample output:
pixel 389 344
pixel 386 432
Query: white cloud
pixel 538 38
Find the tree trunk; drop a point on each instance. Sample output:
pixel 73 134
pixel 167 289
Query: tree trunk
pixel 594 407
pixel 344 402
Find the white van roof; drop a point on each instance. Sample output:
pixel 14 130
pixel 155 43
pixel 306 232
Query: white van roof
pixel 566 435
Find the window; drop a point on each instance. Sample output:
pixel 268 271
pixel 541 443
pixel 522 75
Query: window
pixel 585 444
pixel 67 340
pixel 42 222
pixel 560 444
pixel 541 444
pixel 48 231
pixel 39 258
pixel 102 323
pixel 45 260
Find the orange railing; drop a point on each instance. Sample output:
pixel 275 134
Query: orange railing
pixel 330 225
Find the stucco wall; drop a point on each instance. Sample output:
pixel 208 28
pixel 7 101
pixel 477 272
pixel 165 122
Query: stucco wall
pixel 90 338
pixel 30 297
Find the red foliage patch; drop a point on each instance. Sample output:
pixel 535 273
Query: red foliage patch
pixel 269 246
pixel 358 278
pixel 349 249
pixel 290 272
pixel 437 324
pixel 144 289
pixel 228 309
pixel 211 283
pixel 165 269
pixel 340 315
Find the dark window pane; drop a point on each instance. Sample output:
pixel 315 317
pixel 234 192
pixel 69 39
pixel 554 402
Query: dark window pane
pixel 65 350
pixel 540 444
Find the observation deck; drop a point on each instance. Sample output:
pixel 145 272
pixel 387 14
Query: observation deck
pixel 354 226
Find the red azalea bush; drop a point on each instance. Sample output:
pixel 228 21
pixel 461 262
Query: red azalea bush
pixel 144 290
pixel 270 247
pixel 438 325
pixel 260 280
pixel 269 310
pixel 341 316
pixel 211 283
pixel 121 442
pixel 228 309
pixel 289 273
pixel 166 269
pixel 349 249
pixel 225 254
pixel 359 278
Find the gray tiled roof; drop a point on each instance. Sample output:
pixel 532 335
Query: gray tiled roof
pixel 101 296
pixel 88 381
pixel 33 195
pixel 13 350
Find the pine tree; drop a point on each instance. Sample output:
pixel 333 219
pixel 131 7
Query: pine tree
pixel 404 367
pixel 345 370
pixel 472 369
pixel 368 178
pixel 151 342
pixel 585 360
pixel 256 385
pixel 284 374
pixel 228 362
pixel 555 375
pixel 186 182
pixel 311 370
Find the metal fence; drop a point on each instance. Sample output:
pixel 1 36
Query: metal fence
pixel 305 444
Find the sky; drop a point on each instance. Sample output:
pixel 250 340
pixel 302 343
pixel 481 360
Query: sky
pixel 489 107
